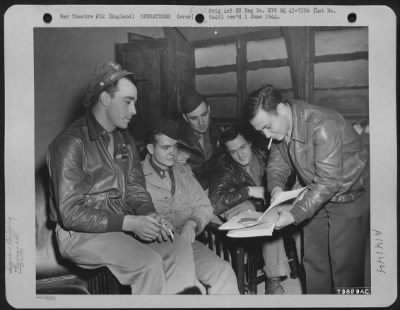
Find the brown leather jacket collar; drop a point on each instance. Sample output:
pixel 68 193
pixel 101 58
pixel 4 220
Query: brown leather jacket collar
pixel 94 127
pixel 298 131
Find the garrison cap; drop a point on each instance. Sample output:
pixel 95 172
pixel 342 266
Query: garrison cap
pixel 191 102
pixel 168 127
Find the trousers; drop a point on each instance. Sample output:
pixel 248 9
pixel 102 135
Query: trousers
pixel 213 271
pixel 334 246
pixel 149 268
pixel 275 258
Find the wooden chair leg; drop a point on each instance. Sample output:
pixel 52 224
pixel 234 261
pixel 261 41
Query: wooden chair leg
pixel 239 268
pixel 252 272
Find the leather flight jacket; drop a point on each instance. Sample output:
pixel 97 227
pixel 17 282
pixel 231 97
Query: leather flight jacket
pixel 229 182
pixel 91 189
pixel 328 156
pixel 201 166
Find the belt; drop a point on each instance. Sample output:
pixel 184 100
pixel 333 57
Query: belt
pixel 348 197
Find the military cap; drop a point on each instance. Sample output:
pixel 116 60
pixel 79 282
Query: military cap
pixel 103 76
pixel 168 127
pixel 191 102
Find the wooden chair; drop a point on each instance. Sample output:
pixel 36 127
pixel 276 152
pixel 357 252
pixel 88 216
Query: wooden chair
pixel 243 254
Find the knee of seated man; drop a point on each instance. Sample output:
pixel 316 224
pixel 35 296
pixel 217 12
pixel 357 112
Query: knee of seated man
pixel 181 246
pixel 224 268
pixel 154 262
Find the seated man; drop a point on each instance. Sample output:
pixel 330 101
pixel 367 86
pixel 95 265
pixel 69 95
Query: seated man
pixel 236 185
pixel 179 197
pixel 104 215
pixel 198 131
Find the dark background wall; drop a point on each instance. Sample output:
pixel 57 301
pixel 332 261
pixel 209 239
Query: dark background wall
pixel 64 59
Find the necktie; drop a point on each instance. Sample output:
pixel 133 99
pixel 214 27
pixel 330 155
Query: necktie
pixel 166 178
pixel 201 141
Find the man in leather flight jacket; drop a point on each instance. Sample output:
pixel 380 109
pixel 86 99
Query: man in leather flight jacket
pixel 332 160
pixel 104 215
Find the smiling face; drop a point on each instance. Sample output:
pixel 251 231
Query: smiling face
pixel 275 125
pixel 163 151
pixel 120 105
pixel 240 150
pixel 199 118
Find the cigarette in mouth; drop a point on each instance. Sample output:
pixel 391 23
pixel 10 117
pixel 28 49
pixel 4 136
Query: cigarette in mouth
pixel 269 145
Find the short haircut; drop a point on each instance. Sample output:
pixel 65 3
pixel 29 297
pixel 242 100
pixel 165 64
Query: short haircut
pixel 268 97
pixel 190 102
pixel 151 136
pixel 232 133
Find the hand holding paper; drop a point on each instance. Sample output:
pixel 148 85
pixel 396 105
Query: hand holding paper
pixel 257 224
pixel 285 218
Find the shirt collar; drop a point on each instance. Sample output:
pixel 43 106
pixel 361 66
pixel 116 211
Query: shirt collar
pixel 95 129
pixel 298 119
pixel 158 170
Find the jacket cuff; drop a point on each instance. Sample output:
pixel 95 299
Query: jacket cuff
pixel 298 215
pixel 244 193
pixel 145 209
pixel 115 222
pixel 199 225
pixel 274 183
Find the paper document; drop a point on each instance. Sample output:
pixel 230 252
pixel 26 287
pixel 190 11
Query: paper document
pixel 252 218
pixel 263 229
pixel 284 196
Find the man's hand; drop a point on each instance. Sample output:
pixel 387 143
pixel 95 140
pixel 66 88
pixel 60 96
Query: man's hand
pixel 275 193
pixel 167 230
pixel 146 227
pixel 181 157
pixel 189 231
pixel 256 192
pixel 285 218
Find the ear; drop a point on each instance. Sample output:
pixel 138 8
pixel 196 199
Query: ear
pixel 105 98
pixel 150 148
pixel 281 108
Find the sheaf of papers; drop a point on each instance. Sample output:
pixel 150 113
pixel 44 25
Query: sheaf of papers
pixel 248 219
pixel 262 229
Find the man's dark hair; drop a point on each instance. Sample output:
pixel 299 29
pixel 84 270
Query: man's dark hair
pixel 268 97
pixel 232 133
pixel 190 102
pixel 151 136
pixel 111 89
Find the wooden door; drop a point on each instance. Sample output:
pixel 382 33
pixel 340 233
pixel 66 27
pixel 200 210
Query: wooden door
pixel 179 67
pixel 145 59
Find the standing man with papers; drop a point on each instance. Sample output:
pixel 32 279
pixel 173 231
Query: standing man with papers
pixel 331 159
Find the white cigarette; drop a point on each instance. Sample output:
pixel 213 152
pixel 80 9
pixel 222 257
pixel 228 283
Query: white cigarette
pixel 269 145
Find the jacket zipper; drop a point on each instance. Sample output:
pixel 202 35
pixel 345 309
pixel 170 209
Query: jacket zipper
pixel 113 166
